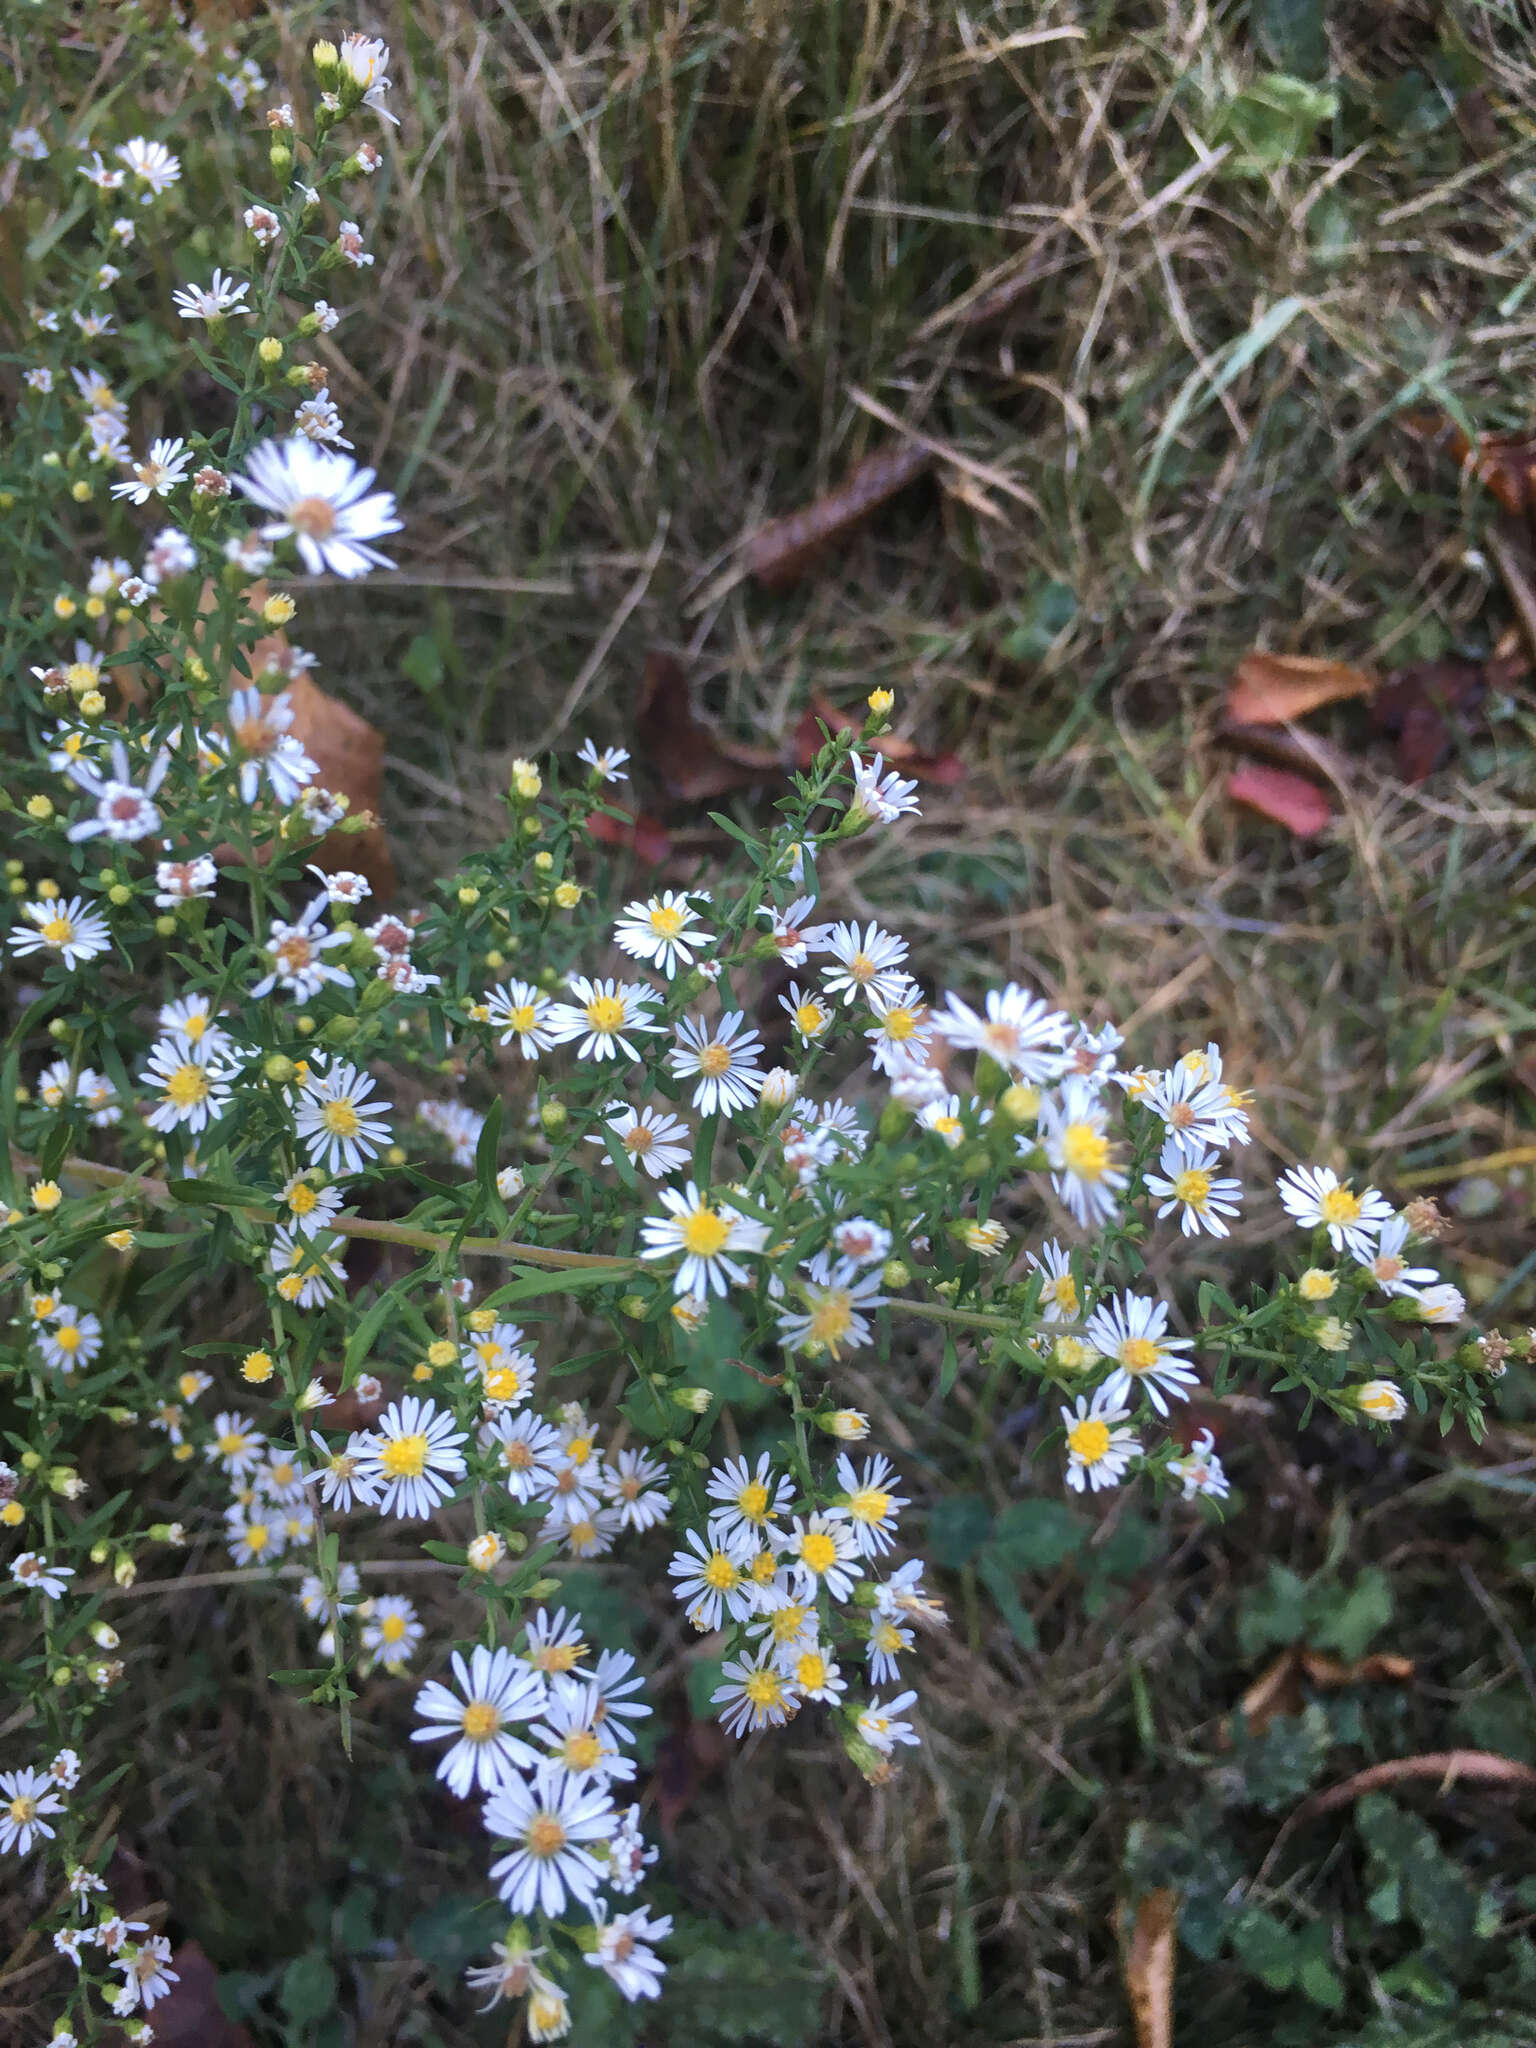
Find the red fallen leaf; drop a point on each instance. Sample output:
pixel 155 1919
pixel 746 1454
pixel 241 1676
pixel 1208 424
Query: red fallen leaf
pixel 693 1751
pixel 692 759
pixel 1417 705
pixel 1504 464
pixel 899 753
pixel 189 2015
pixel 1286 747
pixel 642 835
pixel 1273 689
pixel 1277 794
pixel 781 552
pixel 1148 1955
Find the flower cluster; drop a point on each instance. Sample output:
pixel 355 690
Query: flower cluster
pixel 626 1152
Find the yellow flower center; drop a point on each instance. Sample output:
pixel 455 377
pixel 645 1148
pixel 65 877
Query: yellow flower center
pixel 764 1688
pixel 257 1536
pixel 720 1574
pixel 405 1457
pixel 302 1199
pixel 753 1501
pixel 504 1383
pixel 1088 1441
pixel 581 1750
pixel 195 1025
pixel 231 1444
pixel 818 1553
pixel 58 931
pixel 886 1636
pixel 340 1118
pixel 1386 1267
pixel 545 1836
pixel 293 953
pixel 521 1018
pixel 1139 1354
pixel 811 1671
pixel 557 1657
pixel 392 1628
pixel 705 1233
pixel 862 968
pixel 1064 1293
pixel 481 1721
pixel 67 1337
pixel 1192 1186
pixel 899 1024
pixel 809 1019
pixel 763 1568
pixel 605 1013
pixel 640 1139
pixel 871 1505
pixel 1084 1151
pixel 1340 1205
pixel 516 1456
pixel 830 1318
pixel 715 1060
pixel 666 922
pixel 23 1810
pixel 187 1086
pixel 579 1449
pixel 785 1623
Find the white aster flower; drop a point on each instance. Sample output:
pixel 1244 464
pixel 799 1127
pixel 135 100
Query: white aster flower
pixel 254 1532
pixel 725 1059
pixel 414 1453
pixel 321 498
pixel 237 1445
pixel 663 931
pixel 528 1451
pixel 867 964
pixel 822 1550
pixel 833 1316
pixel 341 1475
pixel 158 474
pixel 635 1485
pixel 872 1507
pixel 880 796
pixel 549 1824
pixel 124 811
pixel 192 1081
pixel 1083 1169
pixel 713 1574
pixel 1098 1449
pixel 880 1728
pixel 756 1694
pixel 1314 1196
pixel 1200 1470
pixel 1381 1400
pixel 1059 1300
pixel 708 1238
pixel 34 1574
pixel 1018 1031
pixel 621 1954
pixel 604 1016
pixel 520 1011
pixel 184 881
pixel 307 1276
pixel 1443 1303
pixel 748 1498
pixel 66 928
pixel 1132 1332
pixel 495 1689
pixel 151 163
pixel 214 301
pixel 654 1139
pixel 391 1631
pixel 342 1128
pixel 1387 1266
pixel 902 1032
pixel 26 1797
pixel 297 952
pixel 261 728
pixel 1187 1179
pixel 607 766
pixel 70 1339
pixel 577 1736
pixel 364 60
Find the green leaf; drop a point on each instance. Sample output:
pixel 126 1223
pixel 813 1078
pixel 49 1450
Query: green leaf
pixel 1273 1614
pixel 998 1578
pixel 951 1365
pixel 486 1148
pixel 215 1194
pixel 957 1528
pixel 308 1989
pixel 1351 1623
pixel 1036 1535
pixel 1293 35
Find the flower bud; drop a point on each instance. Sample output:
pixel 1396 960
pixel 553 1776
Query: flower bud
pixel 896 1273
pixel 1020 1103
pixel 40 807
pixel 1317 1285
pixel 257 1367
pixel 541 1589
pixel 1379 1400
pixel 60 1676
pixel 693 1400
pixel 167 1532
pixel 326 59
pixel 101 1550
pixel 780 1087
pixel 124 1570
pixel 633 1306
pixel 553 1117
pixel 486 1551
pixel 848 1425
pixel 65 1481
pixel 104 1636
pixel 280 157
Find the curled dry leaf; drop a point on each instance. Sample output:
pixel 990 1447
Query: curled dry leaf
pixel 1273 689
pixel 189 2015
pixel 899 753
pixel 1147 1959
pixel 1285 746
pixel 1289 799
pixel 690 758
pixel 785 550
pixel 1504 463
pixel 1448 1766
pixel 1277 1691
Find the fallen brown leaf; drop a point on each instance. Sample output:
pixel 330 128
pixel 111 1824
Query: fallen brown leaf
pixel 782 552
pixel 899 753
pixel 1481 1766
pixel 1148 1960
pixel 189 2015
pixel 1418 704
pixel 636 832
pixel 692 1752
pixel 1289 799
pixel 691 759
pixel 1273 689
pixel 349 753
